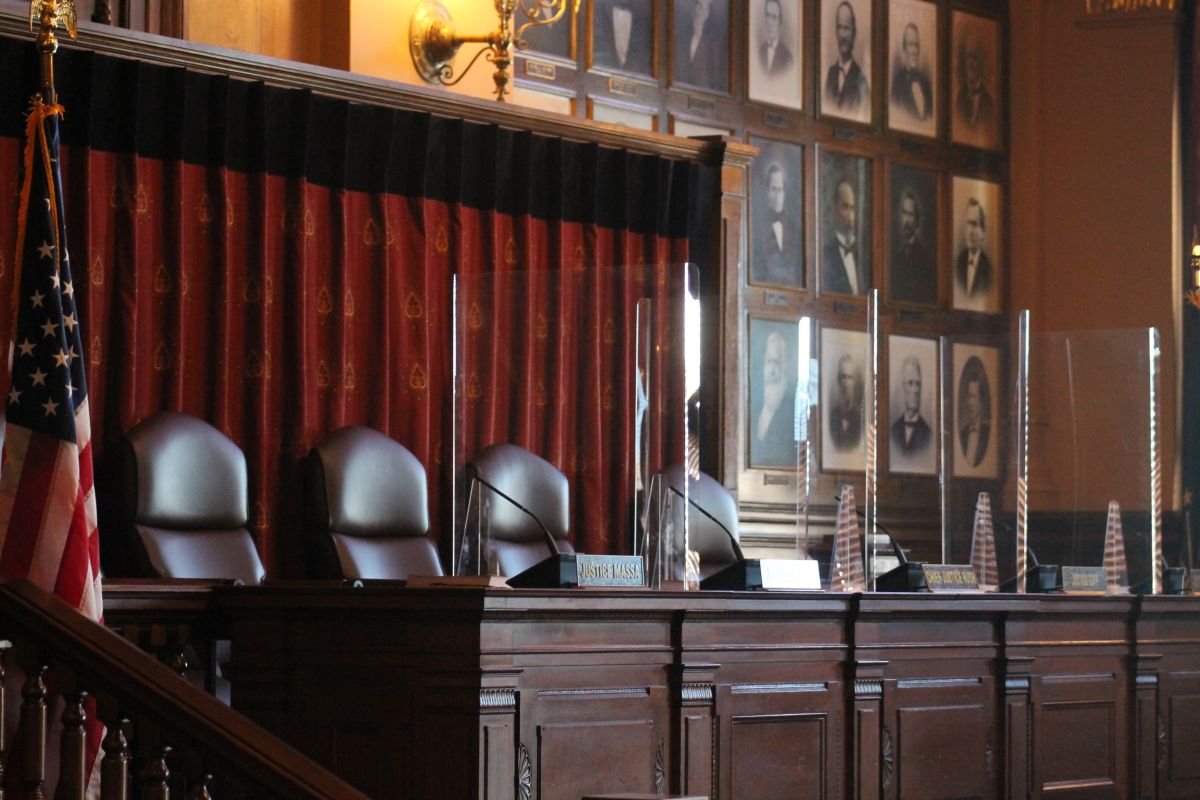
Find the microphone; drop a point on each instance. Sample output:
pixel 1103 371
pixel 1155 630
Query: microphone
pixel 737 548
pixel 550 543
pixel 895 545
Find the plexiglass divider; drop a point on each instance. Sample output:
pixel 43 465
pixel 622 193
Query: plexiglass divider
pixel 982 423
pixel 1093 505
pixel 584 373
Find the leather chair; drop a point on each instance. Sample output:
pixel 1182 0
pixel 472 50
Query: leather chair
pixel 714 539
pixel 177 503
pixel 536 484
pixel 368 508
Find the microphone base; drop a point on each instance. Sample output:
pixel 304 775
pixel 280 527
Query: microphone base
pixel 559 571
pixel 908 577
pixel 739 576
pixel 1042 579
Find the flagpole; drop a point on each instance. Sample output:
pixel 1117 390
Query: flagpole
pixel 49 13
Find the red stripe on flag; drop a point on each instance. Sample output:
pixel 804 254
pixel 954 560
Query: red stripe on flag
pixel 25 525
pixel 72 578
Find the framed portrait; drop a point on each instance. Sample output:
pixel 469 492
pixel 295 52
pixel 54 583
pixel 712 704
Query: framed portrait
pixel 777 215
pixel 775 51
pixel 623 35
pixel 843 400
pixel 976 445
pixel 777 383
pixel 975 81
pixel 701 44
pixel 977 256
pixel 844 224
pixel 556 39
pixel 845 75
pixel 913 396
pixel 913 238
pixel 913 67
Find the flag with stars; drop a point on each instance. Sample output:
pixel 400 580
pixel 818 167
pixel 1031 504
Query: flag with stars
pixel 47 504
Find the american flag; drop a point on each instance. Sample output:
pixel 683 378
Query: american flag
pixel 47 504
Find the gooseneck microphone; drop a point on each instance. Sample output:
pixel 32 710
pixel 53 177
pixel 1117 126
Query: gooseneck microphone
pixel 550 543
pixel 737 548
pixel 900 557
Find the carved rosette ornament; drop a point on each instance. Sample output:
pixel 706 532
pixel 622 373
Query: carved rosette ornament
pixel 659 769
pixel 524 774
pixel 887 757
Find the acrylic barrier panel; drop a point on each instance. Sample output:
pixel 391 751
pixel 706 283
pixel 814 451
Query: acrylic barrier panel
pixel 778 456
pixel 571 401
pixel 1094 498
pixel 846 411
pixel 980 454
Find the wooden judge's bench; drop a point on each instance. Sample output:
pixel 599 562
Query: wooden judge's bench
pixel 492 693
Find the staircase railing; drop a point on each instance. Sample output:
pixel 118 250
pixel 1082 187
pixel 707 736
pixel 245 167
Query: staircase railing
pixel 165 738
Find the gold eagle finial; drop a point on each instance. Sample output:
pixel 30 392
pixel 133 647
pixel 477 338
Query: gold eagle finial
pixel 53 13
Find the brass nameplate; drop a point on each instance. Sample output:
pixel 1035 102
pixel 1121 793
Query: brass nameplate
pixel 540 69
pixel 1097 8
pixel 1084 580
pixel 842 307
pixel 624 88
pixel 609 570
pixel 701 103
pixel 951 578
pixel 776 299
pixel 845 134
pixel 776 479
pixel 907 315
pixel 774 120
pixel 912 148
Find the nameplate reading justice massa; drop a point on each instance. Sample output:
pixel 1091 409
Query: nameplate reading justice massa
pixel 609 570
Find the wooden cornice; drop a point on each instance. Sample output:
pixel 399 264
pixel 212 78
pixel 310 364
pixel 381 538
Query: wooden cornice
pixel 122 43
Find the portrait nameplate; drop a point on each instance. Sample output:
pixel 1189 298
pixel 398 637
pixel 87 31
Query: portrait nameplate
pixel 775 120
pixel 623 88
pixel 540 69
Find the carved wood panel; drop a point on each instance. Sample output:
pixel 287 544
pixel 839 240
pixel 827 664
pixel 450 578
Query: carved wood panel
pixel 567 754
pixel 944 752
pixel 780 755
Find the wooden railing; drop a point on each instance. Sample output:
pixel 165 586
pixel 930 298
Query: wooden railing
pixel 165 738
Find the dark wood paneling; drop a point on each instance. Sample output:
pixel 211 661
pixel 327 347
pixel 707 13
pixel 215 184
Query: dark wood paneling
pixel 779 755
pixel 943 752
pixel 1183 731
pixel 580 758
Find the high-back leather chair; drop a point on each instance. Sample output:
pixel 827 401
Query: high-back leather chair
pixel 536 484
pixel 714 539
pixel 178 503
pixel 368 508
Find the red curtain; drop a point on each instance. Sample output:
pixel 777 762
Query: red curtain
pixel 280 265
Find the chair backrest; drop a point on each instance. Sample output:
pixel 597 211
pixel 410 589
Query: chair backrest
pixel 537 485
pixel 180 501
pixel 710 539
pixel 368 508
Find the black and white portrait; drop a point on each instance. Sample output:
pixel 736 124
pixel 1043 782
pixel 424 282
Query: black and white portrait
pixel 555 39
pixel 843 398
pixel 777 215
pixel 846 59
pixel 776 52
pixel 912 405
pixel 976 444
pixel 975 81
pixel 773 426
pixel 976 244
pixel 844 238
pixel 913 248
pixel 913 67
pixel 623 35
pixel 701 44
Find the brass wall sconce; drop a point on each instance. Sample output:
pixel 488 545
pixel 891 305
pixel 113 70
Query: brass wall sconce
pixel 433 40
